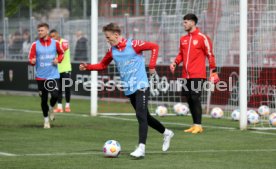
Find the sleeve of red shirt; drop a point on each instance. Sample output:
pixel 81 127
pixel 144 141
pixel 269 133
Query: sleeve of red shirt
pixel 103 64
pixel 32 53
pixel 140 46
pixel 65 45
pixel 179 57
pixel 60 52
pixel 209 52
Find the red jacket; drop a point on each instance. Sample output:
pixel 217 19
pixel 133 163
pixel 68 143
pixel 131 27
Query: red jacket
pixel 193 50
pixel 138 46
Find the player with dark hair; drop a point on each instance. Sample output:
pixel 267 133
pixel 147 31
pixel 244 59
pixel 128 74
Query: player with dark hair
pixel 193 50
pixel 64 69
pixel 45 54
pixel 127 54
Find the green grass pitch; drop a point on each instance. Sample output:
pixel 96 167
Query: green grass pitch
pixel 75 140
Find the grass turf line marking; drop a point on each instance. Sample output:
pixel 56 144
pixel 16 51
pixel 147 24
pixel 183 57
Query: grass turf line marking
pixel 116 118
pixel 183 124
pixel 171 123
pixel 148 152
pixel 6 154
pixel 134 120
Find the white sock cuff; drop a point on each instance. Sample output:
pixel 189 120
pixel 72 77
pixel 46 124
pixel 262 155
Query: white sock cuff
pixel 166 132
pixel 46 119
pixel 143 146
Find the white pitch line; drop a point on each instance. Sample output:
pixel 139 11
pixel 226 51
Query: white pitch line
pixel 171 123
pixel 20 110
pixel 6 154
pixel 260 132
pixel 61 154
pixel 127 119
pixel 36 111
pixel 183 124
pixel 148 152
pixel 214 151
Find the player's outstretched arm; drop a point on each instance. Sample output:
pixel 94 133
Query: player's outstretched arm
pixel 99 66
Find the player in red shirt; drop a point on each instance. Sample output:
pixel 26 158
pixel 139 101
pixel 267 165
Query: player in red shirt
pixel 45 54
pixel 193 50
pixel 129 61
pixel 138 45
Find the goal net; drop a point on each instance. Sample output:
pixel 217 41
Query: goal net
pixel 161 22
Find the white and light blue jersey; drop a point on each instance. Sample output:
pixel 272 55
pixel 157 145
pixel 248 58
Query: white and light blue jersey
pixel 45 55
pixel 131 67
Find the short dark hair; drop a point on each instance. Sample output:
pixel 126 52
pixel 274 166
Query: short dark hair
pixel 53 31
pixel 43 25
pixel 112 27
pixel 190 16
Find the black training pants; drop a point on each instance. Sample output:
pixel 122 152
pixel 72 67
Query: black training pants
pixel 139 101
pixel 66 76
pixel 192 89
pixel 45 87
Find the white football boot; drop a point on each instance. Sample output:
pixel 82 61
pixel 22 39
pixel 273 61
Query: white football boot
pixel 139 151
pixel 47 125
pixel 168 134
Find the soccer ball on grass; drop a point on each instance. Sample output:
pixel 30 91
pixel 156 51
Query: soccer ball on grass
pixel 217 113
pixel 180 109
pixel 111 148
pixel 272 119
pixel 235 115
pixel 253 117
pixel 263 110
pixel 161 110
